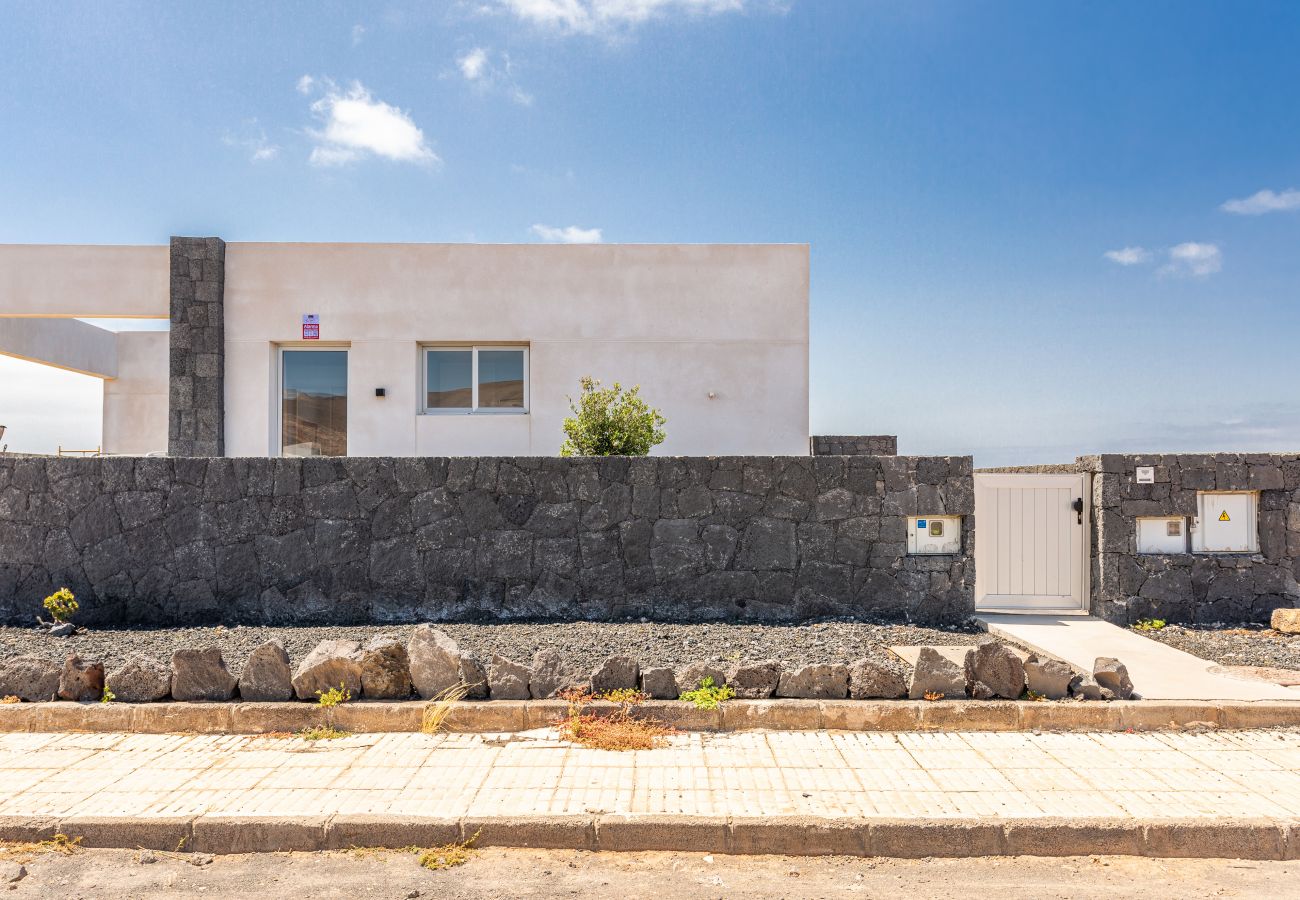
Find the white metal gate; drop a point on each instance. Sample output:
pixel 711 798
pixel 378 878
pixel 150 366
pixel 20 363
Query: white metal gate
pixel 1031 543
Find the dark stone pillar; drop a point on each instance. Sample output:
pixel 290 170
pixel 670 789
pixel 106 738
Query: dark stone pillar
pixel 196 407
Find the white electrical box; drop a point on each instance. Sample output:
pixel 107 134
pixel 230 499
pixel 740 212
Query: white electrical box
pixel 1162 534
pixel 933 534
pixel 1226 522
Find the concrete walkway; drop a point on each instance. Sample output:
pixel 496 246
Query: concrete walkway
pixel 219 792
pixel 1159 672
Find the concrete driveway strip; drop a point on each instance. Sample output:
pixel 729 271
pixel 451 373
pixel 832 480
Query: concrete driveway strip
pixel 1159 672
pixel 931 794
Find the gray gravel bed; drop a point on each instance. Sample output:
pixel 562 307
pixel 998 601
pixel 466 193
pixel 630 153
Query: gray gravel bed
pixel 584 643
pixel 1233 645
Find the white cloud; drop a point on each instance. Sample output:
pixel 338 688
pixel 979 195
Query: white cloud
pixel 252 139
pixel 358 32
pixel 608 16
pixel 305 84
pixel 1193 258
pixel 355 124
pixel 473 64
pixel 478 67
pixel 570 235
pixel 1264 202
pixel 1128 256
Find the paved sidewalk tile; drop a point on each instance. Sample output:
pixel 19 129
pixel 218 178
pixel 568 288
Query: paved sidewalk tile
pixel 1013 775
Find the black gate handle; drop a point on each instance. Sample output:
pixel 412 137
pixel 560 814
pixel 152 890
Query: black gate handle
pixel 1077 506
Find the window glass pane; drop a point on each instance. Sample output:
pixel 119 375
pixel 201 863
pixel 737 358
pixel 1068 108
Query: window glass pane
pixel 314 404
pixel 501 379
pixel 448 379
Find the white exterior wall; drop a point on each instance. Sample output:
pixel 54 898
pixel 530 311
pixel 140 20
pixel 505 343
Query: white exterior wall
pixel 135 402
pixel 81 281
pixel 680 320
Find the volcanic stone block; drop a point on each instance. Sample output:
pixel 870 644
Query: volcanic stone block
pixel 201 675
pixel 1049 677
pixel 754 681
pixel 820 681
pixel 266 676
pixel 81 679
pixel 871 679
pixel 507 680
pixel 141 679
pixel 385 672
pixel 935 674
pixel 31 678
pixel 1112 675
pixel 332 664
pixel 618 672
pixel 994 670
pixel 659 683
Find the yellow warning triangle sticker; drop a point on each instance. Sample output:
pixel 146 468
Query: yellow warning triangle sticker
pixel 1223 516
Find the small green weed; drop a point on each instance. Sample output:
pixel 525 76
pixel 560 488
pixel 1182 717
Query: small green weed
pixel 1150 624
pixel 625 695
pixel 62 605
pixel 333 697
pixel 322 733
pixel 708 695
pixel 108 697
pixel 449 856
pixel 10 698
pixel 1034 695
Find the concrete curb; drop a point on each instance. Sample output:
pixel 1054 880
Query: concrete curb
pixel 789 835
pixel 498 716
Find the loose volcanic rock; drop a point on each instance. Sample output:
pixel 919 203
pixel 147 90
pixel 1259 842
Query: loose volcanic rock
pixel 1112 675
pixel 755 681
pixel 689 677
pixel 434 660
pixel 141 679
pixel 615 673
pixel 1084 687
pixel 1049 677
pixel 201 675
pixel 934 674
pixel 871 679
pixel 63 629
pixel 994 670
pixel 266 676
pixel 474 676
pixel 820 681
pixel 31 678
pixel 507 680
pixel 333 664
pixel 81 679
pixel 552 675
pixel 385 671
pixel 659 683
pixel 1285 620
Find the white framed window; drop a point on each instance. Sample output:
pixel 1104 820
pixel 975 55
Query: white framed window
pixel 1226 522
pixel 313 401
pixel 477 378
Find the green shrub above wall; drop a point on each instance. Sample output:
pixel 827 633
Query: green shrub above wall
pixel 611 422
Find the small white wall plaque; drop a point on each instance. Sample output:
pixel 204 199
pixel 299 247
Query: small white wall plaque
pixel 1146 474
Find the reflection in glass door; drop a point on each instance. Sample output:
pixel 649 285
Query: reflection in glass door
pixel 314 403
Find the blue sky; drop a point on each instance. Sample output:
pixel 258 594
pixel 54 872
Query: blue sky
pixel 960 170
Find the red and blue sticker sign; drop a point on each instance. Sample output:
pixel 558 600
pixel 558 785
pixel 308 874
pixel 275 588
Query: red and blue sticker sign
pixel 310 327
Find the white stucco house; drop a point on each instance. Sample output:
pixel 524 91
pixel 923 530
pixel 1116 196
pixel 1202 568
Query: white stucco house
pixel 418 349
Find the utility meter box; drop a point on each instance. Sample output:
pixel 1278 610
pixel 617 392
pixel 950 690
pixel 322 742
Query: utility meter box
pixel 929 535
pixel 1162 534
pixel 1227 522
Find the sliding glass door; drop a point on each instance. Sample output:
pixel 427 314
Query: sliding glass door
pixel 314 402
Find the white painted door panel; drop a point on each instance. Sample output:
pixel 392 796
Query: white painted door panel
pixel 1029 543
